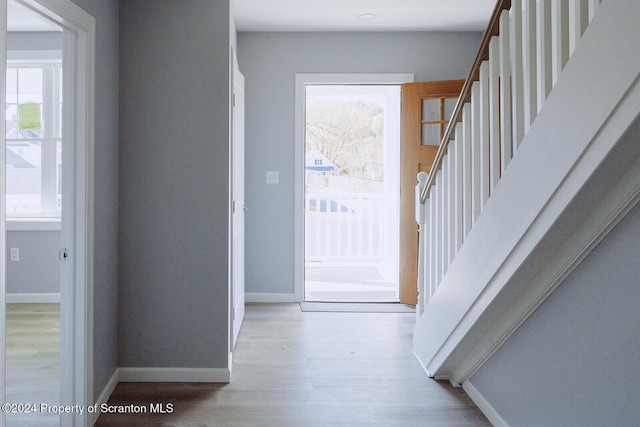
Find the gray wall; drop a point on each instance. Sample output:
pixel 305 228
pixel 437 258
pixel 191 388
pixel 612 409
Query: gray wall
pixel 38 270
pixel 269 62
pixel 174 183
pixel 106 190
pixel 26 40
pixel 574 362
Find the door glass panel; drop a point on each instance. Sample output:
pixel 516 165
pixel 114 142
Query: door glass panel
pixel 431 109
pixel 449 106
pixel 431 134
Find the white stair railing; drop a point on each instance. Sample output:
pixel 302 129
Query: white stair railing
pixel 525 48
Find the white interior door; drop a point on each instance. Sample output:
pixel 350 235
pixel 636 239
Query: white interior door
pixel 237 291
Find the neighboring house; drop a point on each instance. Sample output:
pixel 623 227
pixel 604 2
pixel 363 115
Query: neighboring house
pixel 14 160
pixel 162 217
pixel 316 167
pixel 316 162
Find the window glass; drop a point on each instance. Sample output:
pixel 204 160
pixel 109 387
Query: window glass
pixel 30 85
pixel 24 177
pixel 33 140
pixel 12 86
pixel 58 176
pixel 58 76
pixel 11 120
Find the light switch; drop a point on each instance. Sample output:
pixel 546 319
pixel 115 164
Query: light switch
pixel 15 254
pixel 273 177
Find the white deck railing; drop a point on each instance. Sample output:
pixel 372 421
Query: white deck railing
pixel 526 47
pixel 346 227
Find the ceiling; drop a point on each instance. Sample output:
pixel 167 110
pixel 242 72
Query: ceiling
pixel 342 15
pixel 20 18
pixel 329 15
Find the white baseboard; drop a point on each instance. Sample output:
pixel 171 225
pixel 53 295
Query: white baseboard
pixel 104 396
pixel 32 298
pixel 268 297
pixel 483 404
pixel 175 375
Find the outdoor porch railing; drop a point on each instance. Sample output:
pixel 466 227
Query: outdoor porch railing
pixel 523 52
pixel 345 227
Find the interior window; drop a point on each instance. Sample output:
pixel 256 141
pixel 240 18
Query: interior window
pixel 33 138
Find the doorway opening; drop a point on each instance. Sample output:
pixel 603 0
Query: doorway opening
pixel 351 192
pixel 33 131
pixel 47 95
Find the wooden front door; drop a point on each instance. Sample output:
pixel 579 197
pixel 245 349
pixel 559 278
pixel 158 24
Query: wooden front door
pixel 426 109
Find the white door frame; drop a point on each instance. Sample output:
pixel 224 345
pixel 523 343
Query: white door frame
pixel 301 81
pixel 76 308
pixel 3 233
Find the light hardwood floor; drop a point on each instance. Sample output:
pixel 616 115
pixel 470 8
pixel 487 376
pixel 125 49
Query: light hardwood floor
pixel 310 369
pixel 33 361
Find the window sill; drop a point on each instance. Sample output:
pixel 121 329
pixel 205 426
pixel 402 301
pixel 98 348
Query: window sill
pixel 33 224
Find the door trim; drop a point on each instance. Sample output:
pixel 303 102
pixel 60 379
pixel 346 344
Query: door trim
pixel 77 274
pixel 301 80
pixel 3 233
pixel 237 293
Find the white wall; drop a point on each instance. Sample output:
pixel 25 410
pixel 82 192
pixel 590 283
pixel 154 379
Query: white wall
pixel 269 62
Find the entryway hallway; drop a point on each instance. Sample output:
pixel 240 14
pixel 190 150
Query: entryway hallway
pixel 294 368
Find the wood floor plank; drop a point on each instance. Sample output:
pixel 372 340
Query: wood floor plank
pixel 310 369
pixel 33 361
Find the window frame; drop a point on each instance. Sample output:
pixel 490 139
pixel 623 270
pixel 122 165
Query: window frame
pixel 51 63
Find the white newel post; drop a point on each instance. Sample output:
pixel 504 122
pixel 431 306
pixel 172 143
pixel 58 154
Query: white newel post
pixel 423 231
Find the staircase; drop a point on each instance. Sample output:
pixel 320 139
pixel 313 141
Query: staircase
pixel 533 172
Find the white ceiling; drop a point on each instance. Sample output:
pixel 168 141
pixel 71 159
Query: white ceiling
pixel 341 15
pixel 21 19
pixel 329 15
